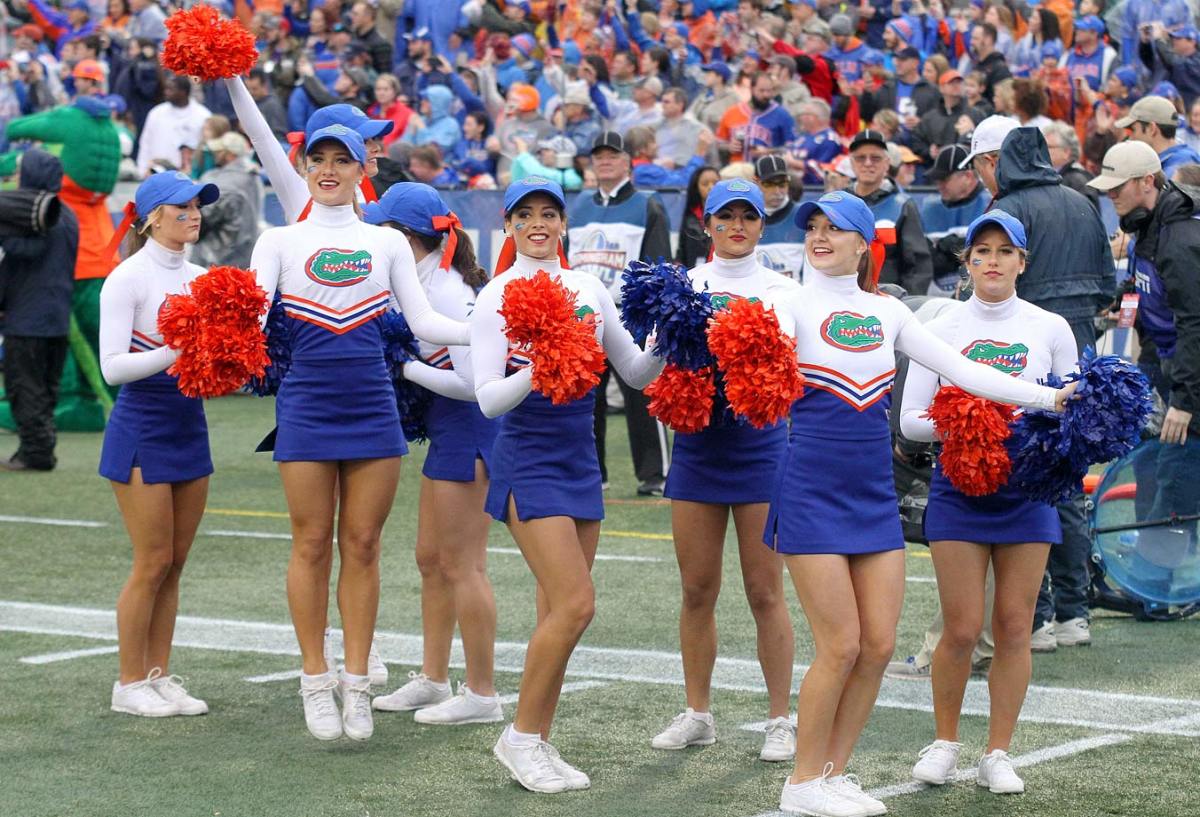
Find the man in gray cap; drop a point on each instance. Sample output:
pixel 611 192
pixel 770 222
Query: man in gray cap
pixel 580 123
pixel 643 110
pixel 230 225
pixel 1153 120
pixel 849 53
pixel 711 105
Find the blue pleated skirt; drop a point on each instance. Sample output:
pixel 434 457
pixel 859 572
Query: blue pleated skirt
pixel 1003 518
pixel 157 429
pixel 459 434
pixel 337 409
pixel 545 459
pixel 730 464
pixel 835 496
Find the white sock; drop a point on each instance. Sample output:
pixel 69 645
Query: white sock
pixel 521 740
pixel 484 698
pixel 314 680
pixel 704 716
pixel 348 678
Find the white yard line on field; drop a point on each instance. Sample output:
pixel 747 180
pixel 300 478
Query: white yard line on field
pixel 67 655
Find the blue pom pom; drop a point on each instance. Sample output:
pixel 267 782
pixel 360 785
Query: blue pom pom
pixel 659 299
pixel 399 347
pixel 279 349
pixel 1051 453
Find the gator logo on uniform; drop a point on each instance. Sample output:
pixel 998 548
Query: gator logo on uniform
pixel 338 268
pixel 585 314
pixel 852 332
pixel 721 300
pixel 1010 358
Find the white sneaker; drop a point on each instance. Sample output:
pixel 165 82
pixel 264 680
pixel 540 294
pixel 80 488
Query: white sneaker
pixel 1044 639
pixel 938 762
pixel 329 648
pixel 1074 632
pixel 141 698
pixel 996 774
pixel 377 671
pixel 320 709
pixel 418 693
pixel 576 780
pixel 689 728
pixel 465 707
pixel 780 743
pixel 531 766
pixel 357 722
pixel 170 688
pixel 818 798
pixel 908 670
pixel 848 787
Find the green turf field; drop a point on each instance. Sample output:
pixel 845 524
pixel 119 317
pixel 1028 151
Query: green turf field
pixel 1108 730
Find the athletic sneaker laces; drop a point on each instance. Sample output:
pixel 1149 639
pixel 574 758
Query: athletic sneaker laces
pixel 171 688
pixel 997 775
pixel 465 707
pixel 357 721
pixel 141 698
pixel 418 693
pixel 819 798
pixel 377 671
pixel 531 766
pixel 780 742
pixel 1074 632
pixel 686 729
pixel 849 787
pixel 320 709
pixel 937 762
pixel 576 780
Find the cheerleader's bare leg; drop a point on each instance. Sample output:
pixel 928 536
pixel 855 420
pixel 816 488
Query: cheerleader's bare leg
pixel 961 569
pixel 698 529
pixel 368 488
pixel 1019 570
pixel 160 546
pixel 762 578
pixel 437 594
pixel 310 491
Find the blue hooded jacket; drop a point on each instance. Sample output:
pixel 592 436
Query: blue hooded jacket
pixel 440 126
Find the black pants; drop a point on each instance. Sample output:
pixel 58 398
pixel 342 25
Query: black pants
pixel 32 370
pixel 647 439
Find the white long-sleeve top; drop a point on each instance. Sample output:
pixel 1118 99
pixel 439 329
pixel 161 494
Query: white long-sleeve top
pixel 727 280
pixel 336 276
pixel 444 370
pixel 131 347
pixel 167 128
pixel 285 181
pixel 846 341
pixel 502 371
pixel 1013 337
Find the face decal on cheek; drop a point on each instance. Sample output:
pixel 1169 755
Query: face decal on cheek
pixel 720 228
pixel 181 217
pixel 519 226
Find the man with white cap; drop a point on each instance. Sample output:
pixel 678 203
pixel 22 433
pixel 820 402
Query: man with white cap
pixel 1069 272
pixel 1153 120
pixel 1165 254
pixel 228 232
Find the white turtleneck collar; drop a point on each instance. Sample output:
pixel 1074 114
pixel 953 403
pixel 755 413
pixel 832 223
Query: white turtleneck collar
pixel 841 284
pixel 526 266
pixel 340 216
pixel 986 311
pixel 162 257
pixel 735 267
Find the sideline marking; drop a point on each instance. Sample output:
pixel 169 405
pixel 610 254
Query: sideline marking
pixel 1106 711
pixel 46 520
pixel 52 657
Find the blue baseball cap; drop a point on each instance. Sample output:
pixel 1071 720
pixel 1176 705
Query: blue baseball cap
pixel 1051 50
pixel 422 33
pixel 1090 23
pixel 79 5
pixel 846 210
pixel 409 204
pixel 172 187
pixel 731 190
pixel 1186 33
pixel 530 185
pixel 1013 228
pixel 719 68
pixel 351 117
pixel 1126 76
pixel 347 137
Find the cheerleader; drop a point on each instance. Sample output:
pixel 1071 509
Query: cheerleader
pixel 452 528
pixel 728 468
pixel 833 515
pixel 338 439
pixel 545 483
pixel 155 449
pixel 966 533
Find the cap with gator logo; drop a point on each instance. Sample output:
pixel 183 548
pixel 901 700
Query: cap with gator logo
pixel 846 210
pixel 530 185
pixel 726 192
pixel 1005 221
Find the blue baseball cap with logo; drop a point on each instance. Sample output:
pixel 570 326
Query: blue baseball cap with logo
pixel 174 188
pixel 718 68
pixel 351 117
pixel 1051 50
pixel 410 204
pixel 530 185
pixel 347 137
pixel 1005 221
pixel 1090 23
pixel 726 192
pixel 846 210
pixel 1186 33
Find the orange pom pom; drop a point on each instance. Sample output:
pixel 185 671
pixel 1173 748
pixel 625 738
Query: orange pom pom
pixel 973 430
pixel 540 314
pixel 200 44
pixel 216 329
pixel 758 361
pixel 682 399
